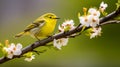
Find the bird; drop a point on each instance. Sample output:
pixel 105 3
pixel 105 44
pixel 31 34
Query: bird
pixel 42 27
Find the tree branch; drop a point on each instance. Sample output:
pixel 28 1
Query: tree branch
pixel 110 22
pixel 103 21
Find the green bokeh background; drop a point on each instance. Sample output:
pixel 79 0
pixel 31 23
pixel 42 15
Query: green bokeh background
pixel 81 51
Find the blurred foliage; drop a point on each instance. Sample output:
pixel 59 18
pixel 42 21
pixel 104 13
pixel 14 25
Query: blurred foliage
pixel 118 4
pixel 80 52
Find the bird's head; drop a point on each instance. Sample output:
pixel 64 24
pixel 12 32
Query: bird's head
pixel 50 17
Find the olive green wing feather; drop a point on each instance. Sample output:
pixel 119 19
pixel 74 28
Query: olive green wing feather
pixel 30 27
pixel 34 25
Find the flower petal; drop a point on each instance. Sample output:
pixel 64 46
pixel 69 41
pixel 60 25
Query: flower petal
pixel 12 46
pixel 65 41
pixel 57 44
pixel 17 52
pixel 19 46
pixel 10 55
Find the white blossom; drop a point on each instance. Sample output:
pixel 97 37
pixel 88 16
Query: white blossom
pixel 61 28
pixel 66 26
pixel 94 12
pixel 85 20
pixel 13 49
pixel 94 21
pixel 29 59
pixel 9 52
pixel 103 6
pixel 95 32
pixel 17 49
pixel 58 43
pixel 91 19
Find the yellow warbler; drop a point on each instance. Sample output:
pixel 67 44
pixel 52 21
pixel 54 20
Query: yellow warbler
pixel 42 27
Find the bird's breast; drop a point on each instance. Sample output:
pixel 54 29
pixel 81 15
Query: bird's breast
pixel 47 29
pixel 43 31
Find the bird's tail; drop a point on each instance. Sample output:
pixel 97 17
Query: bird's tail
pixel 19 35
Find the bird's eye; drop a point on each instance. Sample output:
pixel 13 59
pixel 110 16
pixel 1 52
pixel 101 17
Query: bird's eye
pixel 50 17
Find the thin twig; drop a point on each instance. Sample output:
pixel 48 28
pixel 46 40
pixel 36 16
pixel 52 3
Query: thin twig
pixel 110 22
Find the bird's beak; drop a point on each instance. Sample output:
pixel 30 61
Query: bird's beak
pixel 56 18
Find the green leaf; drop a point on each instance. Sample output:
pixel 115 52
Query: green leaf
pixel 29 54
pixel 88 32
pixel 104 13
pixel 118 4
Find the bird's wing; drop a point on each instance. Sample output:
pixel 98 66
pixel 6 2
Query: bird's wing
pixel 34 25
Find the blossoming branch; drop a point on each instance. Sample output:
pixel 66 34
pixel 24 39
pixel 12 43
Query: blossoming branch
pixel 91 21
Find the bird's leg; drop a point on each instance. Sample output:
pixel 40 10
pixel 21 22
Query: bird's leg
pixel 49 36
pixel 37 38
